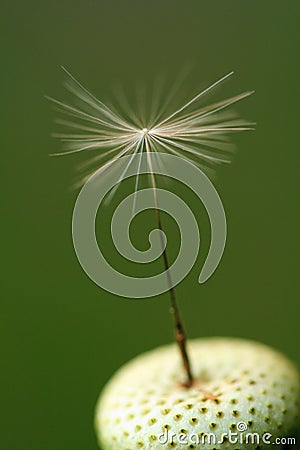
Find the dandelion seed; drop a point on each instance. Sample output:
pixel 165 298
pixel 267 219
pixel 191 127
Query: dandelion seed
pixel 194 132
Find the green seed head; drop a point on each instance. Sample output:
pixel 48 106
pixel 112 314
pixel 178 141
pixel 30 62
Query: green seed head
pixel 236 382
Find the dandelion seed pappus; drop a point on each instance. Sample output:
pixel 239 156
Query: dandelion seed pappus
pixel 192 131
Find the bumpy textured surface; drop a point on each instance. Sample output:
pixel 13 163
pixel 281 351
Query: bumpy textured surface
pixel 237 382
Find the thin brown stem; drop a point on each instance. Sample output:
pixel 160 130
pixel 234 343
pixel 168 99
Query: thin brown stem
pixel 180 335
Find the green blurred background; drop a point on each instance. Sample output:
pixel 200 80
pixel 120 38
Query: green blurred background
pixel 62 337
